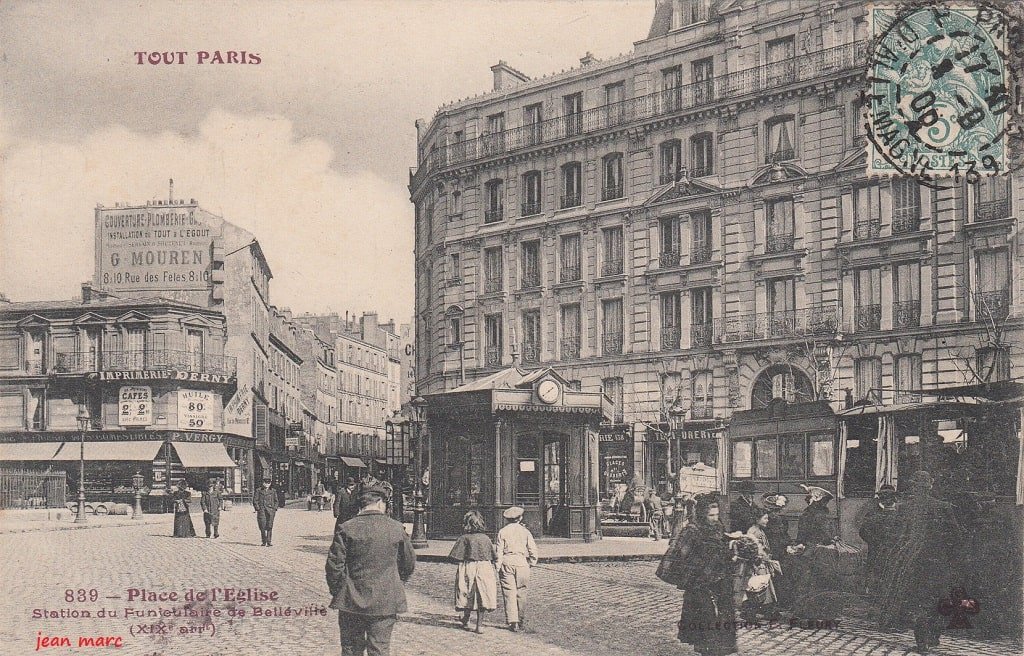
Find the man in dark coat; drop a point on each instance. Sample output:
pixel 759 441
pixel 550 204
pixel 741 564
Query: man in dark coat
pixel 922 568
pixel 369 560
pixel 777 532
pixel 264 500
pixel 879 530
pixel 210 502
pixel 345 505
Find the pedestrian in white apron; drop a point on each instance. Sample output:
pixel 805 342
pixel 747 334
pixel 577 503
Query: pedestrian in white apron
pixel 516 553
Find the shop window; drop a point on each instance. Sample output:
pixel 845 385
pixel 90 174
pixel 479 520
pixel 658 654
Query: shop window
pixel 822 460
pixel 791 457
pixel 766 458
pixel 742 459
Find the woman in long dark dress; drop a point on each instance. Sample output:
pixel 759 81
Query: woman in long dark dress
pixel 700 563
pixel 183 527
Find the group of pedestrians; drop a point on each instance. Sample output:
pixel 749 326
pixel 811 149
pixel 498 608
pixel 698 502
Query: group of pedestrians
pixel 211 501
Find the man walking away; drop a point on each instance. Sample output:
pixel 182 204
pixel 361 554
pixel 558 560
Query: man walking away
pixel 264 500
pixel 369 560
pixel 517 552
pixel 211 501
pixel 655 513
pixel 320 491
pixel 345 504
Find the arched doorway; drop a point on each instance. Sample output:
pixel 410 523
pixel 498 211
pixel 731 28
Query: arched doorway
pixel 780 381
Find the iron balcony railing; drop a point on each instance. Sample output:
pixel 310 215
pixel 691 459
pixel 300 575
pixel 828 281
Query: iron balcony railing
pixel 907 397
pixel 822 319
pixel 700 253
pixel 867 317
pixel 992 210
pixel 994 305
pixel 781 155
pixel 531 353
pixel 780 243
pixel 701 334
pixel 493 215
pixel 492 356
pixel 670 338
pixel 906 314
pixel 867 229
pixel 35 367
pixel 570 273
pixel 906 220
pixel 611 192
pixel 492 285
pixel 702 411
pixel 571 347
pixel 668 259
pixel 700 171
pixel 145 360
pixel 612 267
pixel 669 178
pixel 529 209
pixel 757 79
pixel 454 282
pixel 611 343
pixel 531 279
pixel 570 200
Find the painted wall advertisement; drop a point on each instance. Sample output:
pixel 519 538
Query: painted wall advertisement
pixel 155 247
pixel 238 413
pixel 135 406
pixel 196 410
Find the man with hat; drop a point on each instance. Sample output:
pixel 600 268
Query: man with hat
pixel 923 564
pixel 264 500
pixel 345 505
pixel 517 552
pixel 211 501
pixel 879 530
pixel 370 559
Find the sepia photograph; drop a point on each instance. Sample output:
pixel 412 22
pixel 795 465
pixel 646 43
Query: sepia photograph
pixel 512 327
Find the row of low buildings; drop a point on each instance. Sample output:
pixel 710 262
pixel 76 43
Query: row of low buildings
pixel 690 230
pixel 178 366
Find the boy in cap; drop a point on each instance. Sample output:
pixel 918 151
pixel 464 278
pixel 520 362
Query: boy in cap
pixel 517 552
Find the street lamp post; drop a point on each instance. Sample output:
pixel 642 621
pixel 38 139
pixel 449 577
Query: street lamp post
pixel 83 425
pixel 137 481
pixel 419 533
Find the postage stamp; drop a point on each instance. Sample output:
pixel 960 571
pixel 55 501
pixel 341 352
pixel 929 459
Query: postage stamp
pixel 938 90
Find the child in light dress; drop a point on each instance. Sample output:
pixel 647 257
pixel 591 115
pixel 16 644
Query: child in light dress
pixel 476 585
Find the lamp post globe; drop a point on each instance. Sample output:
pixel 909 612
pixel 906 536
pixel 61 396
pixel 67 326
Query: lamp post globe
pixel 419 532
pixel 83 425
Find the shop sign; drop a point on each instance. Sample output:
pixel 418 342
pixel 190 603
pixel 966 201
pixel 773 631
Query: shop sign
pixel 291 440
pixel 238 412
pixel 697 435
pixel 195 410
pixel 8 437
pixel 165 374
pixel 135 406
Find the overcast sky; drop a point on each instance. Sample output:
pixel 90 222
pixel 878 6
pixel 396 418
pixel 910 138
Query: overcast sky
pixel 310 150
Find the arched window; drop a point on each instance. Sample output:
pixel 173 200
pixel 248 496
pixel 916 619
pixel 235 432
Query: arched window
pixel 781 381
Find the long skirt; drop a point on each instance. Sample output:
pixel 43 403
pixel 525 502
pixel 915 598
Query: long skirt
pixel 708 620
pixel 183 527
pixel 476 587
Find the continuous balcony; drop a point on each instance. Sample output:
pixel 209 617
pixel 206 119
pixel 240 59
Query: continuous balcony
pixel 670 338
pixel 755 80
pixel 815 321
pixel 571 347
pixel 867 317
pixel 993 305
pixel 76 362
pixel 906 314
pixel 611 343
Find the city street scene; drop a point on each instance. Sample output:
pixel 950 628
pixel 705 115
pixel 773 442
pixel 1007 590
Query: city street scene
pixel 594 327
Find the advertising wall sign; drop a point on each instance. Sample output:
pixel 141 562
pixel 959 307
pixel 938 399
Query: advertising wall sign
pixel 196 410
pixel 238 412
pixel 135 406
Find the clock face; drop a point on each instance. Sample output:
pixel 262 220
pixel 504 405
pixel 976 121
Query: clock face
pixel 548 391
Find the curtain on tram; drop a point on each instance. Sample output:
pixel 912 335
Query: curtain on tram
pixel 1020 459
pixel 840 487
pixel 885 463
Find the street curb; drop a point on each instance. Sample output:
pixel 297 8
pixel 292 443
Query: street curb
pixel 72 527
pixel 583 558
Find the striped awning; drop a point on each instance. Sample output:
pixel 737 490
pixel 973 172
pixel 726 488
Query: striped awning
pixel 29 451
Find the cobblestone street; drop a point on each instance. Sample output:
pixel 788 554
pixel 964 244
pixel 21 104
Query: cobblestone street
pixel 593 608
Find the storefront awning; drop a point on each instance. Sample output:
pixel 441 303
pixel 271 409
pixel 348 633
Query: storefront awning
pixel 29 451
pixel 353 462
pixel 143 451
pixel 197 455
pixel 264 463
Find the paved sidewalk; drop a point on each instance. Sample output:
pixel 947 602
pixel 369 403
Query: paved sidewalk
pixel 565 551
pixel 64 520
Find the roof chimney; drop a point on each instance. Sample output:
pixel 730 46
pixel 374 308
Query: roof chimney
pixel 588 59
pixel 505 76
pixel 170 192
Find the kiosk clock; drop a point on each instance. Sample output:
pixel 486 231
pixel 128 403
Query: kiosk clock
pixel 547 391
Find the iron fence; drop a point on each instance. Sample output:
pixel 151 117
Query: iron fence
pixel 27 488
pixel 143 360
pixel 815 320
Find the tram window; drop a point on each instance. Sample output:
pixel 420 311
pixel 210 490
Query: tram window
pixel 741 459
pixel 766 458
pixel 791 456
pixel 822 455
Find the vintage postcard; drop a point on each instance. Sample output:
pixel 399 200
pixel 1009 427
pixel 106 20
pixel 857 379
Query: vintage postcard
pixel 570 327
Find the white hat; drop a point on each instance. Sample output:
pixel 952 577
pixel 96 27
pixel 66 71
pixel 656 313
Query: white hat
pixel 515 512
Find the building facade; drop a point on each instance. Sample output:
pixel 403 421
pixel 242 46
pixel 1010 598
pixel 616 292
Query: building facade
pixel 689 227
pixel 147 378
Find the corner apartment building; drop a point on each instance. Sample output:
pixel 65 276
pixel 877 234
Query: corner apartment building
pixel 690 228
pixel 147 377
